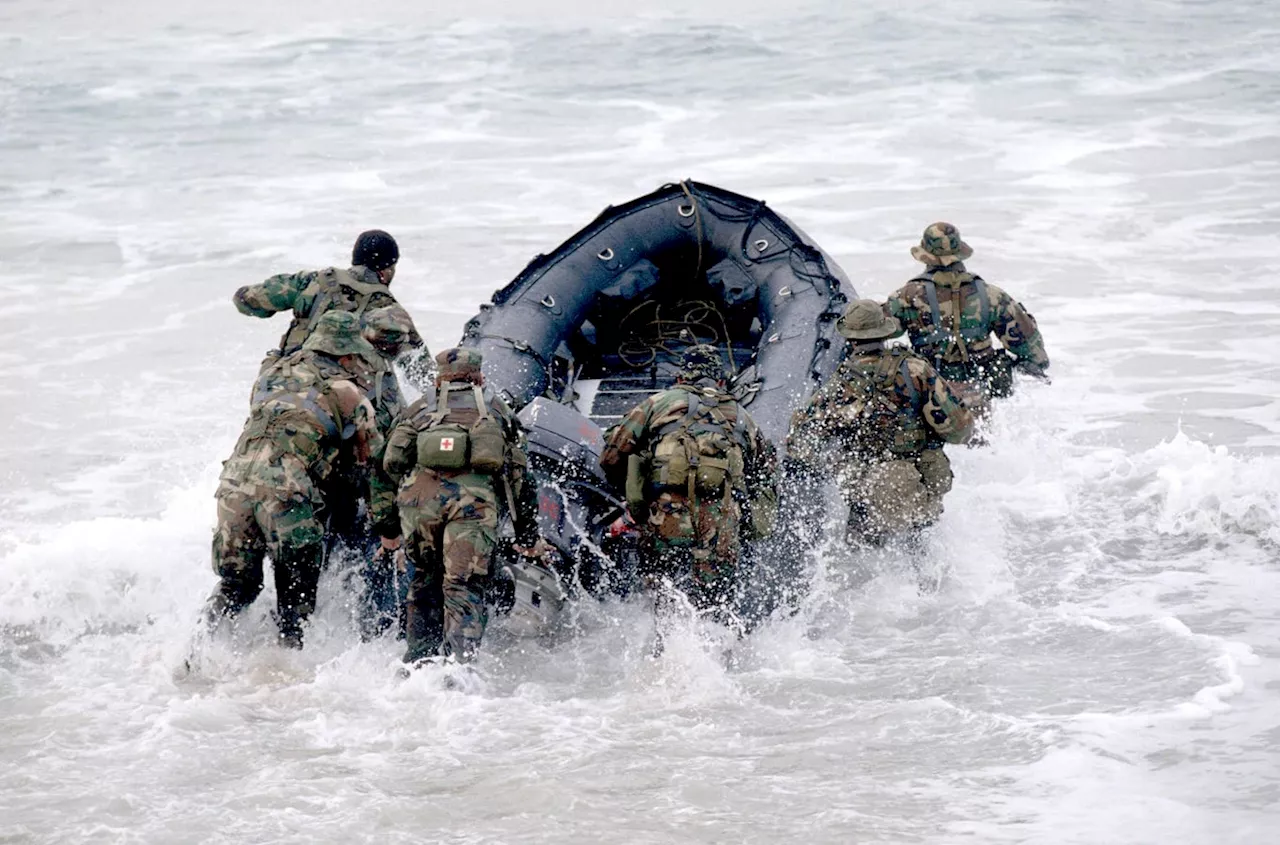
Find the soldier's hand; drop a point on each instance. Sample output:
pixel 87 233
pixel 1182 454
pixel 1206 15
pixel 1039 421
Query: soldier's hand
pixel 392 548
pixel 1033 370
pixel 538 550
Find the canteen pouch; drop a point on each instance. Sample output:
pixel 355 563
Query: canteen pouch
pixel 670 463
pixel 711 461
pixel 763 508
pixel 487 444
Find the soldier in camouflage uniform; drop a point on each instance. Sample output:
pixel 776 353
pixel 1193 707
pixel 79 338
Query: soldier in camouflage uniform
pixel 663 448
pixel 881 420
pixel 950 315
pixel 449 508
pixel 304 414
pixel 363 290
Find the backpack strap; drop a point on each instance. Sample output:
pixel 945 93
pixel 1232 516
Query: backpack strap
pixel 481 405
pixel 331 281
pixel 937 336
pixel 740 433
pixel 913 395
pixel 984 300
pixel 879 382
pixel 442 406
pixel 684 422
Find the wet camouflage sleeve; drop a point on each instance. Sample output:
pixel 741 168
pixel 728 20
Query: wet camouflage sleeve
pixel 401 454
pixel 382 504
pixel 942 410
pixel 1017 329
pixel 896 306
pixel 287 291
pixel 762 463
pixel 390 329
pixel 360 425
pixel 629 436
pixel 813 425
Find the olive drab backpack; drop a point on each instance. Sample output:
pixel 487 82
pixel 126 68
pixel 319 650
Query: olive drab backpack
pixel 289 409
pixel 338 286
pixel 451 441
pixel 338 289
pixel 881 422
pixel 957 342
pixel 702 452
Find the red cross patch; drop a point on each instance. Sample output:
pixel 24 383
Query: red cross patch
pixel 446 444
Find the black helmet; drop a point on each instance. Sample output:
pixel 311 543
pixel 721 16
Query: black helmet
pixel 375 249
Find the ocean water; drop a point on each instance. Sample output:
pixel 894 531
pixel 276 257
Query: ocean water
pixel 1100 659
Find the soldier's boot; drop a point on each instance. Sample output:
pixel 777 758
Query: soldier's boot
pixel 380 606
pixel 460 647
pixel 859 529
pixel 297 575
pixel 710 588
pixel 424 630
pixel 228 600
pixel 465 616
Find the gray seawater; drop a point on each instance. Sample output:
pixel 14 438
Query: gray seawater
pixel 1099 662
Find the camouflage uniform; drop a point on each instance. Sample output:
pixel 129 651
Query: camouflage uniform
pixel 881 420
pixel 304 414
pixel 450 517
pixel 961 350
pixel 692 538
pixel 388 327
pixel 359 290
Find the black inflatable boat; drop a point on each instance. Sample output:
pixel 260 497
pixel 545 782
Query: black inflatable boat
pixel 586 332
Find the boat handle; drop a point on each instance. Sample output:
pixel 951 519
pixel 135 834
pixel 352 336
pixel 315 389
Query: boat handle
pixel 761 245
pixel 685 210
pixel 549 301
pixel 785 290
pixel 605 254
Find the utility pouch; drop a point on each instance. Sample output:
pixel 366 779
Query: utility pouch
pixel 670 463
pixel 487 443
pixel 909 441
pixel 710 461
pixel 764 513
pixel 635 486
pixel 443 447
pixel 710 474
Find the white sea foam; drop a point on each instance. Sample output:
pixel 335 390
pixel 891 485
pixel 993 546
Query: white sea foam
pixel 1092 658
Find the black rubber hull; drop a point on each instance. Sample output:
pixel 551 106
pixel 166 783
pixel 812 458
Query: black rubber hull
pixel 764 266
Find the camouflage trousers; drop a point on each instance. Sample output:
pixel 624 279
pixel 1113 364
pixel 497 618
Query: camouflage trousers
pixel 894 497
pixel 695 544
pixel 268 505
pixel 450 527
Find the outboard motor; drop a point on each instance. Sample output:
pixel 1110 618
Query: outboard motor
pixel 577 515
pixel 576 509
pixel 531 595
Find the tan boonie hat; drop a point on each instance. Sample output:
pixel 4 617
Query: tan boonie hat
pixel 941 246
pixel 338 333
pixel 864 319
pixel 459 363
